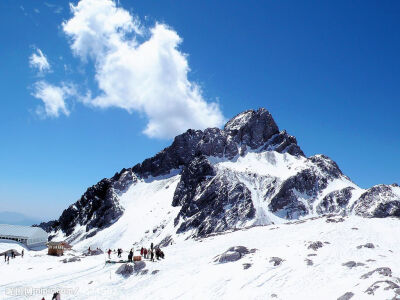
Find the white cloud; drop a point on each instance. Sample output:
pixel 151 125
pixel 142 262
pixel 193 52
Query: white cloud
pixel 149 77
pixel 53 97
pixel 56 9
pixel 39 61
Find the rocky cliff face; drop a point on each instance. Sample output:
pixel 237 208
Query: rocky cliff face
pixel 379 201
pixel 247 173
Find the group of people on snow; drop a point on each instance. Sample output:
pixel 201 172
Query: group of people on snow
pixel 11 254
pixel 150 253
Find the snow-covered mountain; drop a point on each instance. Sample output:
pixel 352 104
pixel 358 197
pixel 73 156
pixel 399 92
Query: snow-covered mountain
pixel 249 173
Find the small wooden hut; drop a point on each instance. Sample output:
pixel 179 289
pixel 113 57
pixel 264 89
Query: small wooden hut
pixel 57 248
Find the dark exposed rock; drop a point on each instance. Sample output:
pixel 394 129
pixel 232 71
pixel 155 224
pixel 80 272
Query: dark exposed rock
pixel 48 226
pixel 155 272
pixel 138 266
pixel 367 245
pixel 384 271
pixel 308 182
pixel 165 242
pixel 210 204
pixel 276 261
pixel 346 296
pixel 144 272
pixel 315 245
pixel 309 262
pixel 283 142
pixel 193 175
pixel 387 284
pixel 125 270
pixel 388 205
pixel 72 259
pixel 333 220
pixel 246 266
pixel 97 209
pixel 335 202
pixel 232 254
pixel 251 128
pixel 351 264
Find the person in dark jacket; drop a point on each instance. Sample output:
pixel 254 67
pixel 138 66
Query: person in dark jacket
pixel 151 255
pixel 130 257
pixel 145 252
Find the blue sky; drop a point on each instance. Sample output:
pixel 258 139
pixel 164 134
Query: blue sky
pixel 328 71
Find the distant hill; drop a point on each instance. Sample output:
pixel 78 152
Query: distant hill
pixel 14 218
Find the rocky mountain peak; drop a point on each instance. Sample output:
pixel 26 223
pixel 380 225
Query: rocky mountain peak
pixel 252 128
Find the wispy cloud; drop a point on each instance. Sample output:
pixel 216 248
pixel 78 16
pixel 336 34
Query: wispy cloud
pixel 39 61
pixel 56 8
pixel 149 77
pixel 53 98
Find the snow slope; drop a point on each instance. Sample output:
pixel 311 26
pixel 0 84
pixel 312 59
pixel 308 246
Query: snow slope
pixel 190 272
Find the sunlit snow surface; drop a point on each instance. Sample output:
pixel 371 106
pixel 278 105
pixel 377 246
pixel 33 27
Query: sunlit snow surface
pixel 189 270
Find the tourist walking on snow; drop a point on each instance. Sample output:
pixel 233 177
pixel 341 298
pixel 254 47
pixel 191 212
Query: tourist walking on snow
pixel 109 253
pixel 145 252
pixel 22 253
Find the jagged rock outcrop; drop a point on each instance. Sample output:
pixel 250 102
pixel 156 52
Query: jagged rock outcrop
pixel 379 201
pixel 250 129
pixel 298 193
pixel 210 203
pixel 97 209
pixel 335 202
